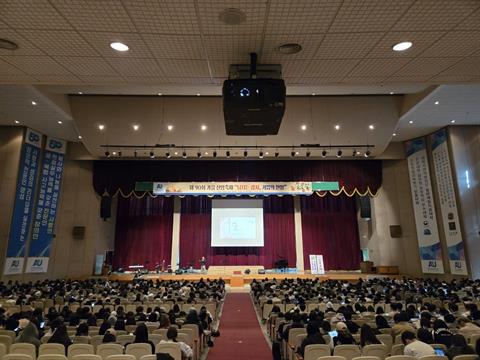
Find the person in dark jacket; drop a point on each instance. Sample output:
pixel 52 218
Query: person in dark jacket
pixel 313 337
pixel 141 336
pixel 367 336
pixel 60 336
pixel 459 347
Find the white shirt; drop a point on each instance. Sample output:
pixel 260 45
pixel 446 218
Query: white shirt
pixel 418 349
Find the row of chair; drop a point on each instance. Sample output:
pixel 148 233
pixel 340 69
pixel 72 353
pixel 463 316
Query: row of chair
pixel 400 357
pixel 175 354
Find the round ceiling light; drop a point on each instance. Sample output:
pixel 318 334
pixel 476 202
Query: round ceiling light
pixel 119 46
pixel 8 45
pixel 232 16
pixel 402 46
pixel 289 49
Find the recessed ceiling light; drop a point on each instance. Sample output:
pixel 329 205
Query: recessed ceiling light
pixel 17 122
pixel 80 93
pixel 232 16
pixel 402 46
pixel 337 127
pixel 34 103
pixel 119 46
pixel 313 94
pixel 453 121
pixel 60 122
pixel 437 102
pixel 203 127
pixel 206 152
pixel 266 153
pixel 159 94
pixel 391 93
pixel 80 137
pixel 198 94
pixel 371 127
pixel 289 49
pixel 303 127
pixel 394 134
pixel 101 127
pixel 114 153
pixel 169 127
pixel 136 127
pixel 175 153
pixel 296 153
pixel 410 122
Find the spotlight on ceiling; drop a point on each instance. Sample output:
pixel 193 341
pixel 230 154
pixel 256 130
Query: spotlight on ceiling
pixel 184 155
pixel 245 153
pixel 120 154
pixel 214 154
pixel 293 153
pixel 339 153
pixel 227 154
pixel 260 155
pixel 107 153
pixel 167 155
pixel 119 46
pixel 367 153
pixel 324 153
pixel 152 155
pixel 135 153
pixel 277 153
pixel 354 153
pixel 199 154
pixel 307 154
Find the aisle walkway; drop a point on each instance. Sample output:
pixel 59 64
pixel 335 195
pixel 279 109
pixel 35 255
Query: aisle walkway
pixel 240 333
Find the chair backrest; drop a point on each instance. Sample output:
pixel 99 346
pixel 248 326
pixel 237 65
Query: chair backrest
pixel 400 357
pixel 387 340
pixel 193 327
pixel 347 351
pixel 433 357
pixel 81 340
pixel 138 350
pixel 86 357
pixel 125 339
pixel 23 348
pixel 377 350
pixel 472 339
pixel 17 357
pixel 79 349
pixel 10 333
pixel 51 349
pixel 52 357
pixel 170 348
pixel 162 333
pixel 121 357
pixel 93 330
pixel 387 331
pixel 292 334
pixel 397 349
pixel 466 357
pixel 331 358
pixel 366 358
pixel 105 350
pixel 187 339
pixel 6 340
pixel 149 357
pixel 312 352
pixel 3 350
pixel 154 338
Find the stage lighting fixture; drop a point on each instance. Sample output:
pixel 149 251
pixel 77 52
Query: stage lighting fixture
pixel 167 155
pixel 152 155
pixel 184 155
pixel 354 153
pixel 199 154
pixel 307 154
pixel 292 153
pixel 227 154
pixel 367 153
pixel 276 154
pixel 119 153
pixel 260 154
pixel 214 154
pixel 107 153
pixel 324 153
pixel 135 153
pixel 245 153
pixel 339 153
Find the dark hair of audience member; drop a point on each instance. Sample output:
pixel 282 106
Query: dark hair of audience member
pixel 367 336
pixel 82 330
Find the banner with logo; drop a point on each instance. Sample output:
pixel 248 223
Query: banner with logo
pixel 448 202
pixel 423 207
pixel 237 188
pixel 46 207
pixel 316 264
pixel 24 198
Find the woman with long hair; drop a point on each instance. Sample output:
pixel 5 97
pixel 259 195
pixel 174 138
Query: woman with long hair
pixel 367 336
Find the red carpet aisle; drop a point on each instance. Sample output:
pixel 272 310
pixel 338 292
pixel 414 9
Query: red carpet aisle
pixel 241 336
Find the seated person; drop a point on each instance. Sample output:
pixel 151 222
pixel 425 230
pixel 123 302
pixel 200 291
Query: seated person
pixel 313 337
pixel 459 347
pixel 414 347
pixel 367 336
pixel 172 334
pixel 344 337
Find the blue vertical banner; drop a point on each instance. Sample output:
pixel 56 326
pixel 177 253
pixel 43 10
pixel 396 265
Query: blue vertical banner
pixel 46 207
pixel 24 199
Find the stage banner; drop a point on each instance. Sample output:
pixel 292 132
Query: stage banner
pixel 320 266
pixel 24 197
pixel 316 264
pixel 236 188
pixel 423 207
pixel 46 207
pixel 448 202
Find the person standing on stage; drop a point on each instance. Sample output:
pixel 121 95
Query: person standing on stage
pixel 203 263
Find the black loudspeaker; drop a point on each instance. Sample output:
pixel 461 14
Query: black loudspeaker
pixel 106 207
pixel 395 231
pixel 78 232
pixel 365 209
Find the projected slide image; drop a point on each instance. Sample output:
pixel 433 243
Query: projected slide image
pixel 237 228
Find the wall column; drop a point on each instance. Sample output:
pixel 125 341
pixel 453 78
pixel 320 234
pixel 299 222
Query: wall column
pixel 177 204
pixel 298 232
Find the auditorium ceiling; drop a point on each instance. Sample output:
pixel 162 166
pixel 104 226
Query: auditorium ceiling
pixel 184 48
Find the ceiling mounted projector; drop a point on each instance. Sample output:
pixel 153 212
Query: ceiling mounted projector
pixel 251 105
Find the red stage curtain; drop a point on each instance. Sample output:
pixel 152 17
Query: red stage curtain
pixel 279 235
pixel 143 231
pixel 329 226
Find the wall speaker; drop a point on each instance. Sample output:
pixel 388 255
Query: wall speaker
pixel 78 232
pixel 106 207
pixel 365 209
pixel 395 231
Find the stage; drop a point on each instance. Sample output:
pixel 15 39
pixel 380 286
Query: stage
pixel 237 280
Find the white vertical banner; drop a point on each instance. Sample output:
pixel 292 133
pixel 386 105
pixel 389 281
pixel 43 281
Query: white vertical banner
pixel 424 210
pixel 313 264
pixel 448 202
pixel 320 267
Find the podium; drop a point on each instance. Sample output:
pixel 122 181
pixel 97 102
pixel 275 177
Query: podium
pixel 237 279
